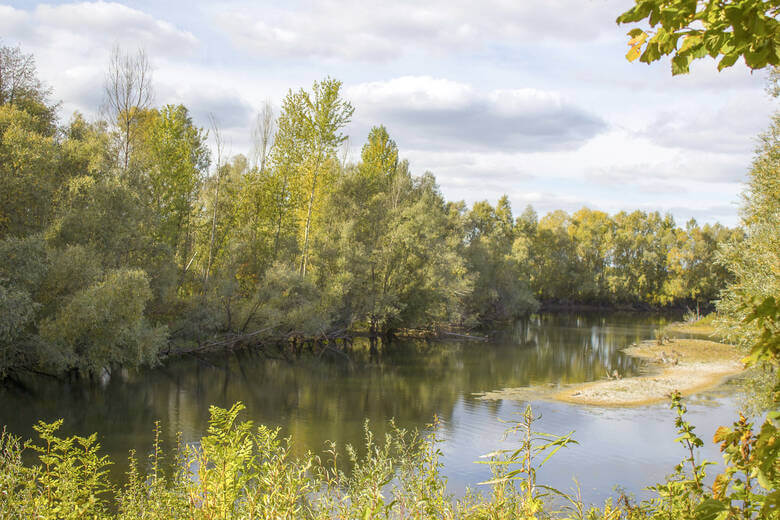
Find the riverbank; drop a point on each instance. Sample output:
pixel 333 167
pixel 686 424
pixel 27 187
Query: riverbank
pixel 702 327
pixel 685 365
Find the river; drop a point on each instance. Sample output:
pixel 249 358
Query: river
pixel 315 400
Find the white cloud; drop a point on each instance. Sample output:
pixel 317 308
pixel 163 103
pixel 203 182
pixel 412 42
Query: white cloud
pixel 731 127
pixel 434 113
pixel 412 93
pixel 358 29
pixel 94 23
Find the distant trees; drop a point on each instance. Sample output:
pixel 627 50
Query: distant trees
pixel 501 276
pixel 630 258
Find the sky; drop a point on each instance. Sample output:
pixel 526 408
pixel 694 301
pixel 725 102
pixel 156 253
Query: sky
pixel 534 100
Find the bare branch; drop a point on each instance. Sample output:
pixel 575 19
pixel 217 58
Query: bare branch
pixel 128 92
pixel 262 136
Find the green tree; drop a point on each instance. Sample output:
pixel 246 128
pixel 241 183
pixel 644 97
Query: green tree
pixel 21 88
pixel 639 248
pixel 694 275
pixel 501 285
pixel 287 156
pixel 179 159
pixel 28 168
pixel 553 259
pixel 386 252
pixel 754 264
pixel 590 232
pixel 325 115
pixel 104 326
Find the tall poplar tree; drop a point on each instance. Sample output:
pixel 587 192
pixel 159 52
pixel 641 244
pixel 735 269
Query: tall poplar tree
pixel 326 114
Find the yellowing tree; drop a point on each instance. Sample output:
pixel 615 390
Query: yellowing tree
pixel 310 133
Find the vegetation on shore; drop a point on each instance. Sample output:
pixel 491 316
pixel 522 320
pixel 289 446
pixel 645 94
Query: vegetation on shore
pixel 240 471
pixel 703 326
pixel 127 239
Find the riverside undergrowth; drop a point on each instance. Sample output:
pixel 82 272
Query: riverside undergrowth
pixel 242 471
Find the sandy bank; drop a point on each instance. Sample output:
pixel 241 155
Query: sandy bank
pixel 686 365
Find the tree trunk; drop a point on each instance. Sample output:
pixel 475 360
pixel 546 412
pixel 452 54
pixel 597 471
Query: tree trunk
pixel 281 215
pixel 213 233
pixel 305 255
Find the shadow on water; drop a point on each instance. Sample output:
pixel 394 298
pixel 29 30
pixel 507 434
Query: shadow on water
pixel 329 398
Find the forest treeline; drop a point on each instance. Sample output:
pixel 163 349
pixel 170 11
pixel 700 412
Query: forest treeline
pixel 128 237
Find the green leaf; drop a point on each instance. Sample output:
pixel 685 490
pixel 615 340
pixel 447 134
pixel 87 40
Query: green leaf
pixel 681 64
pixel 709 509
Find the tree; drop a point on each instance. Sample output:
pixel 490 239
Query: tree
pixel 263 136
pixel 501 289
pixel 324 117
pixel 553 258
pixel 387 254
pixel 219 145
pixel 693 274
pixel 590 231
pixel 28 173
pixel 23 266
pixel 287 155
pixel 128 92
pixel 754 263
pixel 693 29
pixel 639 247
pixel 305 147
pixel 20 87
pixel 179 158
pixel 103 325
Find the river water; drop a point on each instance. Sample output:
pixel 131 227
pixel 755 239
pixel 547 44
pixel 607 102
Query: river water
pixel 330 398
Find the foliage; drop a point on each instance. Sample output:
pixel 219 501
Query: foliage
pixel 28 159
pixel 70 482
pixel 238 471
pixel 516 493
pixel 502 283
pixel 103 325
pixel 748 307
pixel 693 29
pixel 300 245
pixel 180 157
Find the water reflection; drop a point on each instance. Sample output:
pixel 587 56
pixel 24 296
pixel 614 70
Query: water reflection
pixel 315 399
